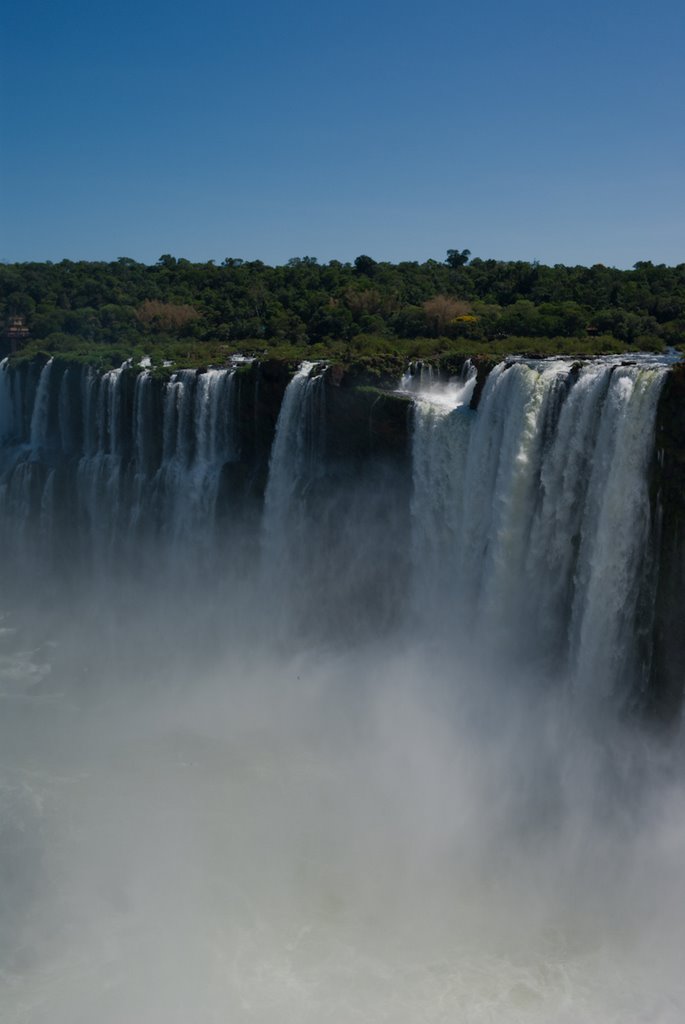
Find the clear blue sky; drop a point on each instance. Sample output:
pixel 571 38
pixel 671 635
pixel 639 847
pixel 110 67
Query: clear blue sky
pixel 532 130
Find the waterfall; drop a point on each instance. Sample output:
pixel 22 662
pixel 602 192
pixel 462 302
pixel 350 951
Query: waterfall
pixel 101 497
pixel 216 443
pixel 295 461
pixel 442 425
pixel 424 381
pixel 138 465
pixel 39 418
pixel 532 520
pixel 177 452
pixel 143 448
pixel 531 516
pixel 198 439
pixel 6 402
pixel 614 555
pixel 318 698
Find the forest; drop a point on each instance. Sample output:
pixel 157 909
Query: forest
pixel 177 312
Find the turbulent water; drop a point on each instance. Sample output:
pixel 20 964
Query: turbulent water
pixel 292 731
pixel 532 518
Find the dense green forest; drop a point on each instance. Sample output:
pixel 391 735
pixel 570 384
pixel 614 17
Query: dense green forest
pixel 198 313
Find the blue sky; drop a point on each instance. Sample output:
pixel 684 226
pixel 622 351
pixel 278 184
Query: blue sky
pixel 533 130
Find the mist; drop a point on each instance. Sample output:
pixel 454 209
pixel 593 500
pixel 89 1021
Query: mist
pixel 298 774
pixel 282 834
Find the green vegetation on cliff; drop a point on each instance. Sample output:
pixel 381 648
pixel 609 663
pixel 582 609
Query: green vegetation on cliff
pixel 200 313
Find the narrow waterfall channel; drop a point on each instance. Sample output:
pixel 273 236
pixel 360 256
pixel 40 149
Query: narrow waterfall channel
pixel 296 457
pixel 329 702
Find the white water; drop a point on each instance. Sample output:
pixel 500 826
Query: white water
pixel 295 461
pixel 198 440
pixel 125 490
pixel 442 428
pixel 532 518
pixel 39 417
pixel 206 818
pixel 99 491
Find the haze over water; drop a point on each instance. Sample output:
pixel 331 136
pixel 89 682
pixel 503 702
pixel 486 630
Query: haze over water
pixel 363 753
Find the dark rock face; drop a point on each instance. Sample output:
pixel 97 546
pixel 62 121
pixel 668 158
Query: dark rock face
pixel 668 489
pixel 360 421
pixel 362 424
pixel 365 421
pixel 261 387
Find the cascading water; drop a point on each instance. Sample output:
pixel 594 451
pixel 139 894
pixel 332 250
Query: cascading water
pixel 295 462
pixel 198 440
pixel 334 788
pixel 144 448
pixel 442 426
pixel 532 518
pixel 101 500
pixel 613 560
pixel 122 485
pixel 6 403
pixel 39 416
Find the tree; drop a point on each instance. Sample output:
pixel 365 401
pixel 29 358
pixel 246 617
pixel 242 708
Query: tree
pixel 455 258
pixel 165 316
pixel 20 304
pixel 365 265
pixel 442 309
